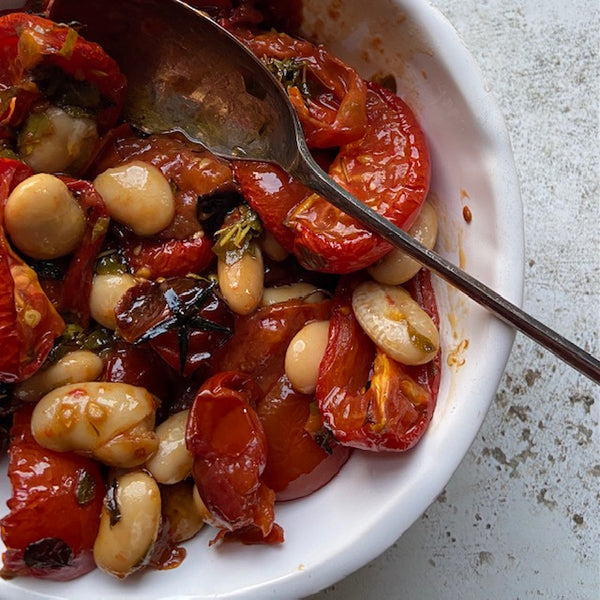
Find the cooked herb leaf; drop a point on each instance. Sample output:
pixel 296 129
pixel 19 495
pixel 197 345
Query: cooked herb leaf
pixel 48 553
pixel 240 227
pixel 85 491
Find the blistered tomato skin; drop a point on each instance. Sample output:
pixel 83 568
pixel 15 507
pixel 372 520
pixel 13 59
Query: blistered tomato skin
pixel 229 449
pixel 381 405
pixel 54 509
pixel 301 457
pixel 387 168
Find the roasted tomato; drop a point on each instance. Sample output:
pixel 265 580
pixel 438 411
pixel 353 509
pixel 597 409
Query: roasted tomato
pixel 387 168
pixel 29 322
pixel 367 399
pixel 228 444
pixel 40 59
pixel 139 366
pixel 302 455
pixel 181 318
pixel 77 285
pixel 54 509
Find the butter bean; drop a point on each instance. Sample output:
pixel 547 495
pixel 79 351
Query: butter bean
pixel 395 322
pixel 129 524
pixel 292 291
pixel 172 461
pixel 180 511
pixel 397 267
pixel 43 219
pixel 74 367
pixel 241 283
pixel 105 294
pixel 54 141
pixel 304 354
pixel 138 195
pixel 112 422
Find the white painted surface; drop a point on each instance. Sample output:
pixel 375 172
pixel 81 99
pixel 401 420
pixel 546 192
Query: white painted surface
pixel 520 518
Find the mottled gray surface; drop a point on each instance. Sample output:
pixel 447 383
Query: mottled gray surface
pixel 521 518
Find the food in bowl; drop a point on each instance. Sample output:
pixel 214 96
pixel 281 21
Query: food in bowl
pixel 190 340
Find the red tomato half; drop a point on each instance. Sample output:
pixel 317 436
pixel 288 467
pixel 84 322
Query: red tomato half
pixel 258 345
pixel 228 444
pixel 302 455
pixel 367 399
pixel 28 42
pixel 387 168
pixel 54 509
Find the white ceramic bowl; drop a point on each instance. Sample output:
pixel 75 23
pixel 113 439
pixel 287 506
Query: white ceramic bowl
pixel 376 498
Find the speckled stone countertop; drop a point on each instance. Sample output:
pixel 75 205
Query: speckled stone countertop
pixel 521 516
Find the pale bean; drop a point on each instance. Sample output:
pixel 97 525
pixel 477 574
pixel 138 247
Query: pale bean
pixel 395 322
pixel 397 267
pixel 201 509
pixel 241 283
pixel 74 367
pixel 301 291
pixel 179 510
pixel 304 354
pixel 112 422
pixel 43 219
pixel 54 141
pixel 172 462
pixel 105 294
pixel 272 248
pixel 138 195
pixel 129 524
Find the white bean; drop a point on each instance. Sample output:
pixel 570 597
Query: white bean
pixel 201 509
pixel 43 219
pixel 73 367
pixel 397 267
pixel 172 462
pixel 241 283
pixel 179 509
pixel 272 248
pixel 138 195
pixel 112 422
pixel 105 294
pixel 292 291
pixel 304 354
pixel 129 524
pixel 54 141
pixel 395 322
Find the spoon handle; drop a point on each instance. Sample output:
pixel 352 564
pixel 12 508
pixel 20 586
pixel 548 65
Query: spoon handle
pixel 309 173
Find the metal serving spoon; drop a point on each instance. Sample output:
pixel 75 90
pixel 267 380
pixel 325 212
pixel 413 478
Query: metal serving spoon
pixel 187 74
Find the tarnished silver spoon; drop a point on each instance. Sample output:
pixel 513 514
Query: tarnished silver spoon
pixel 187 74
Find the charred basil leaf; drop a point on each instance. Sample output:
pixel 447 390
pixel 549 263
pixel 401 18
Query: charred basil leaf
pixel 182 318
pixel 48 553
